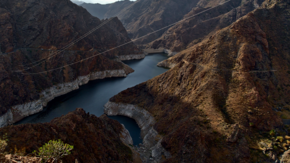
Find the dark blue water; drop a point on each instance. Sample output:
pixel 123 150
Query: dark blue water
pixel 94 95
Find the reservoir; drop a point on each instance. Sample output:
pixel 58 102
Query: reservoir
pixel 94 95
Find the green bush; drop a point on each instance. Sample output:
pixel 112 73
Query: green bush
pixel 3 143
pixel 272 132
pixel 251 124
pixel 54 149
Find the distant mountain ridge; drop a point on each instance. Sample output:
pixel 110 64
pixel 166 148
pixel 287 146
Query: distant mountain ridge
pixel 189 32
pixel 146 16
pixel 103 11
pixel 78 2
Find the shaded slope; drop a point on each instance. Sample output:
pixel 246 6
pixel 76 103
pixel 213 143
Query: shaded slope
pixel 145 16
pixel 220 93
pixel 107 10
pixel 32 30
pixel 150 15
pixel 77 2
pixel 97 10
pixel 94 139
pixel 191 31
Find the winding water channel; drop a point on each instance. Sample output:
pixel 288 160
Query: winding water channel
pixel 94 95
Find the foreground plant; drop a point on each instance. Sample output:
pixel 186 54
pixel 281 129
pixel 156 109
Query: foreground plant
pixel 54 150
pixel 3 143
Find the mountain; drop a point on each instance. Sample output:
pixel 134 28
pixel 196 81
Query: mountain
pixel 34 70
pixel 94 139
pixel 220 100
pixel 202 21
pixel 146 16
pixel 107 10
pixel 150 15
pixel 77 2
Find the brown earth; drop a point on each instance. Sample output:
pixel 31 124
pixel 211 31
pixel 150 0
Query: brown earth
pixel 94 139
pixel 22 159
pixel 217 102
pixel 203 21
pixel 31 30
pixel 151 15
pixel 145 16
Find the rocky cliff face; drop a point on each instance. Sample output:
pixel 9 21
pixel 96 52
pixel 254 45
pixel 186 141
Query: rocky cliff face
pixel 32 31
pixel 94 139
pixel 107 10
pixel 217 101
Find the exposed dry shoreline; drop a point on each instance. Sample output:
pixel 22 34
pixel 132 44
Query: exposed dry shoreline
pixel 18 112
pixel 151 149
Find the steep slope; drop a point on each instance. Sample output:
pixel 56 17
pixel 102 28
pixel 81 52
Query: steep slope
pixel 217 101
pixel 94 139
pixel 107 10
pixel 150 15
pixel 35 30
pixel 97 10
pixel 191 31
pixel 145 16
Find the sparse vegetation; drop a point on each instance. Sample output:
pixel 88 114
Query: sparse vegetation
pixel 3 143
pixel 54 149
pixel 272 132
pixel 251 124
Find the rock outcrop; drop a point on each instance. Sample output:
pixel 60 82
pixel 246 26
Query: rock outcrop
pixel 33 69
pixel 131 57
pixel 285 157
pixel 215 103
pixel 94 139
pixel 23 159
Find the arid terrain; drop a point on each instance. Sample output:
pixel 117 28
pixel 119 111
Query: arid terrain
pixel 217 102
pixel 94 139
pixel 224 99
pixel 34 51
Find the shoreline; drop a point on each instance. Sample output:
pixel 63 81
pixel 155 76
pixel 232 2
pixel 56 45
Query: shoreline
pixel 18 112
pixel 21 111
pixel 132 57
pixel 151 149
